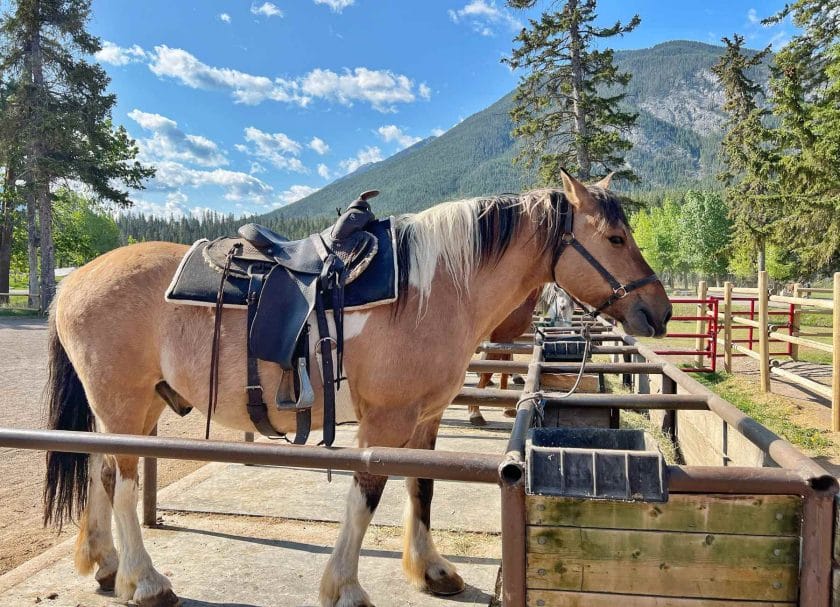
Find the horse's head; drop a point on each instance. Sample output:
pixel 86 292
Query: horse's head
pixel 599 263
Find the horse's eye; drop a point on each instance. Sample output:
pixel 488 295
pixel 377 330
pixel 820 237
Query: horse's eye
pixel 617 240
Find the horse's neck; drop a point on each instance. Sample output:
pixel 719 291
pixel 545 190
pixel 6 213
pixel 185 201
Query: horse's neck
pixel 497 289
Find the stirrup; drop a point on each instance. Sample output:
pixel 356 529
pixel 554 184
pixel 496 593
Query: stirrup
pixel 306 398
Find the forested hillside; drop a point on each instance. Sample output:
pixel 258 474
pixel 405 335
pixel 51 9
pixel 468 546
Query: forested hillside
pixel 676 141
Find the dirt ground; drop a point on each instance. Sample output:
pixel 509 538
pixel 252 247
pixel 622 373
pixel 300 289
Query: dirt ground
pixel 23 343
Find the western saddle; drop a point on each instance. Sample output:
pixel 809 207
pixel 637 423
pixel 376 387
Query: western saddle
pixel 287 281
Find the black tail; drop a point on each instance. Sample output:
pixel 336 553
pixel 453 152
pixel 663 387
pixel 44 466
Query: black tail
pixel 65 487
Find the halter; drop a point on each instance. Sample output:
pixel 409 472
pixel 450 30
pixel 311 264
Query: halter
pixel 567 238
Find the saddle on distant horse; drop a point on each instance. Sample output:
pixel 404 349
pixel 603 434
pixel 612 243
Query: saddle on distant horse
pixel 282 283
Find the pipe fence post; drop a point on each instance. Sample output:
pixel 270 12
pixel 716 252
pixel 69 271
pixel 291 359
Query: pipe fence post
pixel 669 420
pixel 763 338
pixel 699 344
pixel 794 322
pixel 727 327
pixel 150 488
pixel 835 357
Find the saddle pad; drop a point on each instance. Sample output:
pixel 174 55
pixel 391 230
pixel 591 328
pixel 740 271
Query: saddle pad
pixel 196 282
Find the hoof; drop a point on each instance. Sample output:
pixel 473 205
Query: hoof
pixel 477 419
pixel 107 582
pixel 167 598
pixel 510 412
pixel 447 585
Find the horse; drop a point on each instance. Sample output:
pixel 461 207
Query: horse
pixel 118 354
pixel 516 323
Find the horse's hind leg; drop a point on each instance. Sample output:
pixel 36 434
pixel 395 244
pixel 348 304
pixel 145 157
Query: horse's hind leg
pixel 425 567
pixel 95 543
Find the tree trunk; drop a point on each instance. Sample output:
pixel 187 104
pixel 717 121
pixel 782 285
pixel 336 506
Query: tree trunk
pixel 580 127
pixel 32 248
pixel 36 150
pixel 7 206
pixel 762 255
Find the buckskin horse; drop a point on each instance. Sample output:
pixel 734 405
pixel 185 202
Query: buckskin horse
pixel 114 343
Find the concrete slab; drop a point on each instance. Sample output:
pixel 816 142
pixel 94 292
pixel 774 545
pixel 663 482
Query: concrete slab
pixel 216 561
pixel 305 494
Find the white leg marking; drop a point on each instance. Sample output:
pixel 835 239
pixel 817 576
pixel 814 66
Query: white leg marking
pixel 136 577
pixel 340 582
pixel 99 547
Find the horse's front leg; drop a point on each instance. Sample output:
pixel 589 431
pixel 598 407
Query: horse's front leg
pixel 381 427
pixel 425 567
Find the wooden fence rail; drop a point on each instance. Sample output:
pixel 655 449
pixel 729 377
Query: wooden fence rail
pixel 800 303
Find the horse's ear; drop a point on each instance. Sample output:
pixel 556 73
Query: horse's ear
pixel 605 182
pixel 575 191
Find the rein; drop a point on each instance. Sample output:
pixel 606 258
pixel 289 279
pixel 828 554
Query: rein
pixel 567 238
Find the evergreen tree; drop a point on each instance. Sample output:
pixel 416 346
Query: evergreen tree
pixel 568 104
pixel 750 161
pixel 59 115
pixel 806 96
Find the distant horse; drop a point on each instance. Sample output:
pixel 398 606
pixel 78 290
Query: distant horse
pixel 511 327
pixel 117 351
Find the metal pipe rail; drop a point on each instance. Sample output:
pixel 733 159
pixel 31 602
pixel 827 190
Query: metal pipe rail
pixel 515 366
pixel 423 463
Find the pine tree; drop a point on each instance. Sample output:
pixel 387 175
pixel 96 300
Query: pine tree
pixel 60 116
pixel 806 95
pixel 750 160
pixel 568 104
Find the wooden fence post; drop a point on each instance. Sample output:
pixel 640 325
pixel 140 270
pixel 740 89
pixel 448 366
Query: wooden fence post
pixel 794 329
pixel 699 342
pixel 835 356
pixel 727 327
pixel 763 338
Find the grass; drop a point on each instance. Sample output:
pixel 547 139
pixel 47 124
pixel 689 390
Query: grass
pixel 770 410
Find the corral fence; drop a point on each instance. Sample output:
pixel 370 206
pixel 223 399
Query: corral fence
pixel 772 319
pixel 32 301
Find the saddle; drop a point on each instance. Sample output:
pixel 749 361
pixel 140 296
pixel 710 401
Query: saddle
pixel 283 284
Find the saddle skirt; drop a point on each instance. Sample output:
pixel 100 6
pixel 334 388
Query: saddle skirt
pixel 371 278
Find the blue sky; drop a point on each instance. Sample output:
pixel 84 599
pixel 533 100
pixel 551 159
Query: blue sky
pixel 247 106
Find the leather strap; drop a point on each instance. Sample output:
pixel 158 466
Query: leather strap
pixel 327 373
pixel 567 238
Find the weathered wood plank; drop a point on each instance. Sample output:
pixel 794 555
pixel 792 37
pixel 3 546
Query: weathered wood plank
pixel 675 548
pixel 559 598
pixel 735 514
pixel 700 580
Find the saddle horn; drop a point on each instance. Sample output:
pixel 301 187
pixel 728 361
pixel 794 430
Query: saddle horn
pixel 356 217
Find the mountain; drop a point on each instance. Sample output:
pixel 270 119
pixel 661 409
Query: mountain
pixel 676 141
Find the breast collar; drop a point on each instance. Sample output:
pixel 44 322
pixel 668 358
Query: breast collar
pixel 567 238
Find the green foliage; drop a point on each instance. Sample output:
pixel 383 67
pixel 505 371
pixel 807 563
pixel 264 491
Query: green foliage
pixel 657 232
pixel 806 100
pixel 83 229
pixel 568 105
pixel 749 159
pixel 705 233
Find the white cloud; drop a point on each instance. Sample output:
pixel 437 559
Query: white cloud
pixel 380 88
pixel 752 16
pixel 172 176
pixel 323 171
pixel 224 17
pixel 118 55
pixel 266 9
pixel 293 194
pixel 392 132
pixel 336 5
pixel 319 146
pixel 484 17
pixel 168 142
pixel 424 91
pixel 256 168
pixel 277 148
pixel 364 156
pixel 438 132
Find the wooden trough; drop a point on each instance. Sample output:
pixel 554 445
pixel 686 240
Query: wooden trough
pixel 732 536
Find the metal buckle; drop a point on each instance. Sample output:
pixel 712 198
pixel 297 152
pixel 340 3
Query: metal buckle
pixel 567 237
pixel 620 292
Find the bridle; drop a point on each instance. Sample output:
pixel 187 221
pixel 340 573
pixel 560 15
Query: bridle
pixel 567 238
